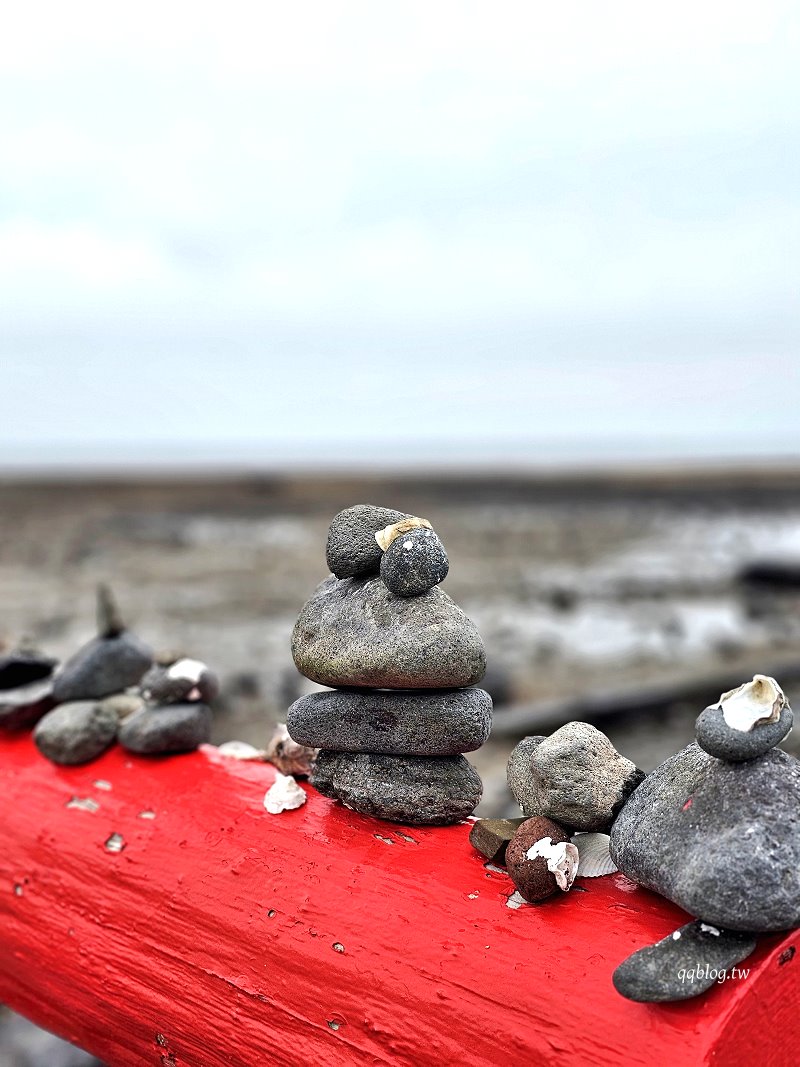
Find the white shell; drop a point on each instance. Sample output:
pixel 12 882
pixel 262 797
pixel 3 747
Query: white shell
pixel 562 860
pixel 594 859
pixel 387 535
pixel 284 795
pixel 241 750
pixel 759 701
pixel 187 668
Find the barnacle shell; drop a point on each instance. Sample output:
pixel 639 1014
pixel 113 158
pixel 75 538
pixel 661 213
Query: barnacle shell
pixel 594 859
pixel 284 795
pixel 753 703
pixel 561 858
pixel 387 535
pixel 287 755
pixel 241 750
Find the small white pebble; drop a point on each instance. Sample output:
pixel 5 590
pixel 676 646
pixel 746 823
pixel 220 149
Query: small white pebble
pixel 284 795
pixel 676 936
pixel 709 929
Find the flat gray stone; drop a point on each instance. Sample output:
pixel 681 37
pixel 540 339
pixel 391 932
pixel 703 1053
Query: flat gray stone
pixel 76 732
pixel 414 562
pixel 351 549
pixel 104 666
pixel 440 722
pixel 355 633
pixel 683 964
pixel 23 707
pixel 406 789
pixel 718 739
pixel 575 777
pixel 168 728
pixel 721 840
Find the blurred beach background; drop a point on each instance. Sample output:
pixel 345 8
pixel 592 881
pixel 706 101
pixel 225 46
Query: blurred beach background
pixel 530 272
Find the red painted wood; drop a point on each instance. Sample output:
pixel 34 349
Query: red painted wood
pixel 211 939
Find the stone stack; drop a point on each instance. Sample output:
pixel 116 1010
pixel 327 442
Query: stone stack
pixel 401 659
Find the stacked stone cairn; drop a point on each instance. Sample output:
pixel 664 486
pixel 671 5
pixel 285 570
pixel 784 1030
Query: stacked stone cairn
pixel 112 689
pixel 402 660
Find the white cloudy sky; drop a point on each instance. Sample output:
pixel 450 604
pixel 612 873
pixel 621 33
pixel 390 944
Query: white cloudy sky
pixel 320 227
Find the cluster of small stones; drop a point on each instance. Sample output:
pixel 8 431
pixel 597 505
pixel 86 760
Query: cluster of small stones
pixel 113 689
pixel 401 661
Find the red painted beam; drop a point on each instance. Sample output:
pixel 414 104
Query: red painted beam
pixel 222 936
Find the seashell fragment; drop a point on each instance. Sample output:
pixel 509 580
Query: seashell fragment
pixel 241 750
pixel 594 858
pixel 287 755
pixel 387 535
pixel 561 859
pixel 284 795
pixel 753 703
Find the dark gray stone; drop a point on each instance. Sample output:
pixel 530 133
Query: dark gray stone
pixel 22 668
pixel 440 722
pixel 104 666
pixel 683 964
pixel 414 562
pixel 170 684
pixel 351 549
pixel 168 728
pixel 718 739
pixel 721 840
pixel 23 707
pixel 405 789
pixel 575 777
pixel 76 732
pixel 355 633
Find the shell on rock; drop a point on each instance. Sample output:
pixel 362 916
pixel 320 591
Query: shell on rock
pixel 387 535
pixel 561 859
pixel 594 858
pixel 752 703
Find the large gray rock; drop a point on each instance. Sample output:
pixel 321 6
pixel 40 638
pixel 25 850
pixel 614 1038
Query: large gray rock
pixel 575 777
pixel 104 666
pixel 718 739
pixel 442 722
pixel 76 733
pixel 405 789
pixel 721 840
pixel 355 632
pixel 351 548
pixel 169 728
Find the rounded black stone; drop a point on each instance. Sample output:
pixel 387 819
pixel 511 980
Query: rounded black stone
pixel 718 739
pixel 23 668
pixel 166 728
pixel 76 733
pixel 351 549
pixel 414 562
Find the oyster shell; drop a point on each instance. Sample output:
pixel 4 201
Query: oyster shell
pixel 752 703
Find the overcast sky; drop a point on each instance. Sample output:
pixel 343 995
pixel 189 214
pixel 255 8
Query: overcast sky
pixel 319 227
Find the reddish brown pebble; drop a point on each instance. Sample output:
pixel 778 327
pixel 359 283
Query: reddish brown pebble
pixel 491 837
pixel 532 877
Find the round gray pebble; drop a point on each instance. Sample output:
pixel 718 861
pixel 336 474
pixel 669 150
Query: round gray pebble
pixel 167 728
pixel 76 732
pixel 718 739
pixel 351 549
pixel 414 562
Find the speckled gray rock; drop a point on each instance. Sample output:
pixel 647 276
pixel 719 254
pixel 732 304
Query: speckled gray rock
pixel 22 667
pixel 76 732
pixel 104 666
pixel 355 632
pixel 124 704
pixel 351 549
pixel 440 722
pixel 575 777
pixel 683 964
pixel 721 840
pixel 718 739
pixel 23 707
pixel 405 789
pixel 167 728
pixel 175 683
pixel 414 562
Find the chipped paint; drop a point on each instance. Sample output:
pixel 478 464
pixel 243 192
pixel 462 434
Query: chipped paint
pixel 82 804
pixel 115 843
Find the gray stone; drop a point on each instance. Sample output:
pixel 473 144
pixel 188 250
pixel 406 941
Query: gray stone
pixel 575 777
pixel 168 728
pixel 683 964
pixel 440 722
pixel 721 840
pixel 21 668
pixel 104 666
pixel 355 632
pixel 23 707
pixel 414 562
pixel 718 739
pixel 351 549
pixel 76 732
pixel 179 682
pixel 124 704
pixel 406 789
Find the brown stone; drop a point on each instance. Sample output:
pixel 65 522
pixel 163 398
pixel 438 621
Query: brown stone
pixel 532 876
pixel 491 837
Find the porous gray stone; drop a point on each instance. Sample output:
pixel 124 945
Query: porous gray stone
pixel 682 965
pixel 351 549
pixel 440 722
pixel 414 562
pixel 355 633
pixel 720 839
pixel 575 777
pixel 718 739
pixel 407 789
pixel 179 682
pixel 167 728
pixel 76 732
pixel 104 666
pixel 23 707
